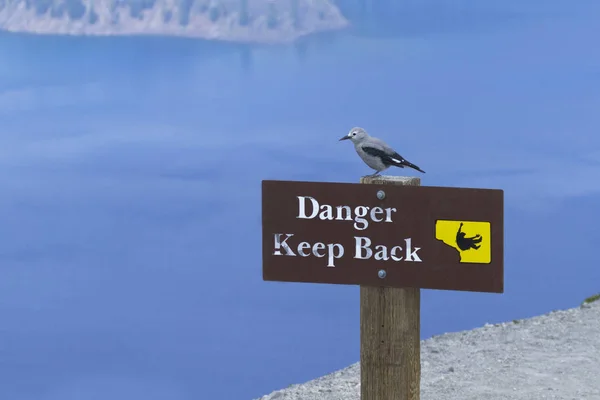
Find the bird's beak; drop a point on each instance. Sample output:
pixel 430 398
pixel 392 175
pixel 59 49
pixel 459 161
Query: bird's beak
pixel 345 138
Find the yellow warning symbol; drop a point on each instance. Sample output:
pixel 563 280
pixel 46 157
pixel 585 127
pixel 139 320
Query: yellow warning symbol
pixel 470 238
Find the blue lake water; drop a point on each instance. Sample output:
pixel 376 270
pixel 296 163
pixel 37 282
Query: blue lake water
pixel 130 169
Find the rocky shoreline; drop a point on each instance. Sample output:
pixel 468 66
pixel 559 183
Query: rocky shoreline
pixel 245 21
pixel 552 356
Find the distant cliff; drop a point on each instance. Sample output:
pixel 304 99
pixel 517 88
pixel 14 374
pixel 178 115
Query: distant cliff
pixel 263 21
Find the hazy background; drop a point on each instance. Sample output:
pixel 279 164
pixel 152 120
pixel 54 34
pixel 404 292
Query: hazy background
pixel 130 170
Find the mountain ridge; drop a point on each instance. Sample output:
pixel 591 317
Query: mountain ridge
pixel 253 21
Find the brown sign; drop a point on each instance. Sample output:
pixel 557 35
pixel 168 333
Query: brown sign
pixel 383 235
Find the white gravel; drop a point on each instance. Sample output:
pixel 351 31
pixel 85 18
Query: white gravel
pixel 553 356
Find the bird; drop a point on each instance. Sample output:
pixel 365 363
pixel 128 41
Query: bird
pixel 375 152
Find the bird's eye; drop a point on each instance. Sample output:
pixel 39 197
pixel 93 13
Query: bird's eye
pixel 353 133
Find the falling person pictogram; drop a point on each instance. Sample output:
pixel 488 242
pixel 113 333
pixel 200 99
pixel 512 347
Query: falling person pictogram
pixel 471 239
pixel 465 243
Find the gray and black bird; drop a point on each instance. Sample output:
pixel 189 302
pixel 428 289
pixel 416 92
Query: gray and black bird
pixel 375 152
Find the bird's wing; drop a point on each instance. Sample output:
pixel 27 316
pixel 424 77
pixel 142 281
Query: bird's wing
pixel 386 158
pixel 378 148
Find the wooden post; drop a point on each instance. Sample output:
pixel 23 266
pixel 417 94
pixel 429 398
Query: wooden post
pixel 390 330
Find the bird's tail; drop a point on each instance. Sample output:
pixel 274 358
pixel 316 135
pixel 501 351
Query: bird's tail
pixel 405 163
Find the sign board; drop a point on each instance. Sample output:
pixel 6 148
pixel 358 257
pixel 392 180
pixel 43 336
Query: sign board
pixel 383 235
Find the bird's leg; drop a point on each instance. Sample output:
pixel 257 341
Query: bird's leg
pixel 373 175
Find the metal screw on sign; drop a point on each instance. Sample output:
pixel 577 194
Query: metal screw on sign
pixel 381 273
pixel 380 194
